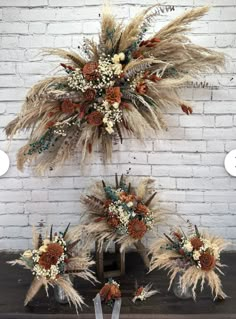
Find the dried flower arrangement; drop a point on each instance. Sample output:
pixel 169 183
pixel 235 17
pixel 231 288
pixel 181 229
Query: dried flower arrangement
pixel 195 256
pixel 142 293
pixel 51 259
pixel 110 292
pixel 121 213
pixel 120 85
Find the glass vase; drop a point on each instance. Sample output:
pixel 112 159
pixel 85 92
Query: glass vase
pixel 59 293
pixel 178 289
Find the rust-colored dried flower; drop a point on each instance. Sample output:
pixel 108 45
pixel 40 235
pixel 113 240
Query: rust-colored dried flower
pixel 113 221
pixel 124 197
pixel 137 228
pixel 46 260
pixel 186 109
pixel 55 249
pixel 113 95
pixel 49 124
pixel 142 209
pixel 95 118
pixel 67 106
pixel 139 291
pixel 177 235
pixel 107 202
pixel 196 243
pixel 90 71
pixel 141 88
pixel 89 95
pixel 109 292
pixel 207 261
pixel 137 55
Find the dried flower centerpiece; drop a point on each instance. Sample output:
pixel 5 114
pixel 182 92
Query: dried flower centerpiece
pixel 195 256
pixel 51 259
pixel 121 213
pixel 119 86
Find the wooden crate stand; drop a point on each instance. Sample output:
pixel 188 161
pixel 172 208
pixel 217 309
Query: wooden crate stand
pixel 119 258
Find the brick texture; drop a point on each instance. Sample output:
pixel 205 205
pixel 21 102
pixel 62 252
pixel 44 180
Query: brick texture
pixel 186 161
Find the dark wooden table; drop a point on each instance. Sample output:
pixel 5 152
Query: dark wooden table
pixel 14 282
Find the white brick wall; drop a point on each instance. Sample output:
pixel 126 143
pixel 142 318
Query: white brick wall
pixel 187 161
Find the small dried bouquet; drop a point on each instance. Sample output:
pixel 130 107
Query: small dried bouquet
pixel 196 256
pixel 52 258
pixel 110 292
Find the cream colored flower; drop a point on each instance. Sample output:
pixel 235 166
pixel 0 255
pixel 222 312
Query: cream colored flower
pixel 105 120
pixel 116 58
pixel 117 68
pixel 196 255
pixel 109 129
pixel 43 248
pixel 121 56
pixel 46 242
pixel 27 254
pixel 188 246
pixel 116 105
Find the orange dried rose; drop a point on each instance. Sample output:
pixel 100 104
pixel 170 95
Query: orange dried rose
pixel 137 228
pixel 115 292
pixel 95 118
pixel 109 292
pixel 90 71
pixel 141 88
pixel 113 221
pixel 105 291
pixel 67 106
pixel 196 243
pixel 124 197
pixel 207 261
pixel 89 94
pixel 113 95
pixel 143 209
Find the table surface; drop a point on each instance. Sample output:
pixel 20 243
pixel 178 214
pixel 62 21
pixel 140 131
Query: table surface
pixel 14 282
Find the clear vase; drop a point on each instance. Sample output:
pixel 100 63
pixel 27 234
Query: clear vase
pixel 59 293
pixel 178 290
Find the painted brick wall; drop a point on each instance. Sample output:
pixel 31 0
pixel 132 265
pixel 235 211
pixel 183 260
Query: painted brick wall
pixel 187 161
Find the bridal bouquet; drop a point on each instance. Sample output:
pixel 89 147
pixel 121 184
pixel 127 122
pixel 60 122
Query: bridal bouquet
pixel 52 258
pixel 195 256
pixel 121 213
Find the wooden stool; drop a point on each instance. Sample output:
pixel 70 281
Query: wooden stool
pixel 119 258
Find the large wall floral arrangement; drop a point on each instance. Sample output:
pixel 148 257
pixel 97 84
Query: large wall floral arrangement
pixel 119 86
